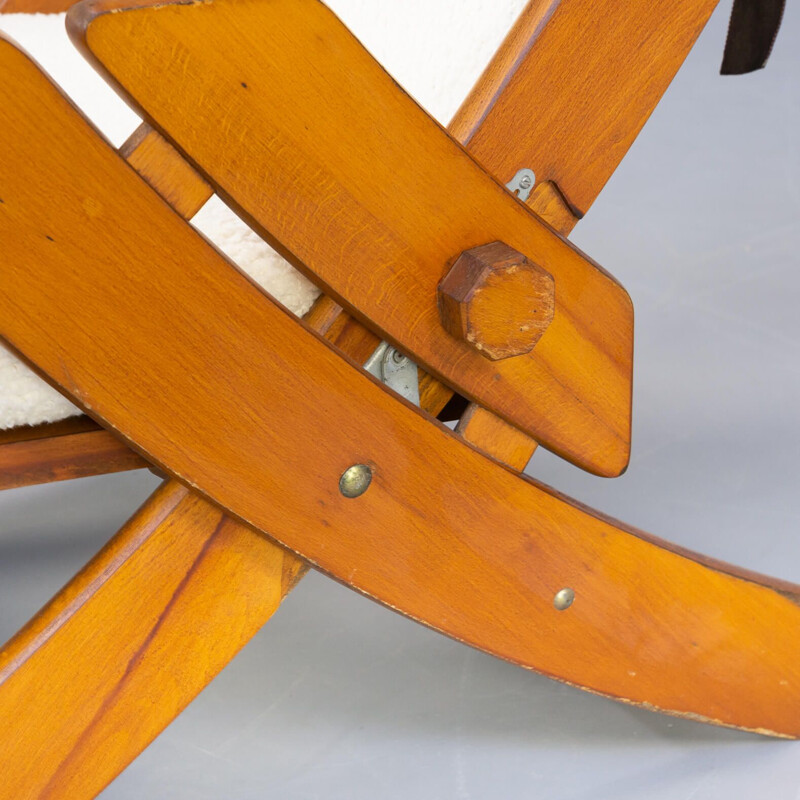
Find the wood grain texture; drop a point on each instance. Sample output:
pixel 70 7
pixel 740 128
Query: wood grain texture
pixel 158 682
pixel 502 441
pixel 551 206
pixel 433 394
pixel 461 544
pixel 355 186
pixel 48 430
pixel 497 301
pixel 131 715
pixel 130 641
pixel 160 164
pixel 545 200
pixel 323 314
pixel 34 6
pixel 64 457
pixel 78 447
pixel 351 337
pixel 495 94
pixel 598 71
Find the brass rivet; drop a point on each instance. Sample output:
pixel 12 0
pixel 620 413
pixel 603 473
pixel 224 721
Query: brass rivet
pixel 355 480
pixel 563 599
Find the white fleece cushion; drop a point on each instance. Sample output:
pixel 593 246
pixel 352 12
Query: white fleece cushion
pixel 436 49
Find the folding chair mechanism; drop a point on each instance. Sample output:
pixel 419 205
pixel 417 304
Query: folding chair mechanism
pixel 104 282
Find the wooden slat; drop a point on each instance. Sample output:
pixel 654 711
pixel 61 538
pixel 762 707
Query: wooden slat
pixel 360 188
pixel 522 45
pixel 72 448
pixel 48 430
pixel 599 68
pixel 350 336
pixel 243 573
pixel 78 447
pixel 34 6
pixel 242 582
pixel 491 434
pixel 550 205
pixel 130 641
pixel 160 164
pixel 480 427
pixel 443 534
pixel 60 458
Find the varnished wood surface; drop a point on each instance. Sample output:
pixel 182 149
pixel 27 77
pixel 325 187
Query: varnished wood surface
pixel 350 336
pixel 356 185
pixel 48 430
pixel 64 457
pixel 34 6
pixel 130 641
pixel 443 534
pixel 243 574
pixel 72 448
pixel 101 758
pixel 497 301
pixel 97 756
pixel 486 431
pixel 551 206
pixel 78 447
pixel 489 433
pixel 160 164
pixel 599 69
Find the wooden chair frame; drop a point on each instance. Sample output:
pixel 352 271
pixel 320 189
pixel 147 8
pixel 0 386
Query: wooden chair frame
pixel 202 565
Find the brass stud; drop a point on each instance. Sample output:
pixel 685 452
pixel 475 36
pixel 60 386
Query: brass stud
pixel 355 480
pixel 564 599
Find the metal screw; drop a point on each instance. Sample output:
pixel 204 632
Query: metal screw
pixel 563 599
pixel 398 357
pixel 522 183
pixel 355 480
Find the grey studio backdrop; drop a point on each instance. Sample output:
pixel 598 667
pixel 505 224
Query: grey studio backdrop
pixel 339 698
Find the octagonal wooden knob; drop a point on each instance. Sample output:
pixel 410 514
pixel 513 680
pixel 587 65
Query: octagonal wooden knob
pixel 497 301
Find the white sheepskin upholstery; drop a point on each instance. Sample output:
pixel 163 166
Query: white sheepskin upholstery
pixel 436 49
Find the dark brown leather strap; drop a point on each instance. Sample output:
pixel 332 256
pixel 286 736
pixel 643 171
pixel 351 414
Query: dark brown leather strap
pixel 751 34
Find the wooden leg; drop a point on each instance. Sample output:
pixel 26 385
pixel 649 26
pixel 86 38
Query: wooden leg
pixel 130 641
